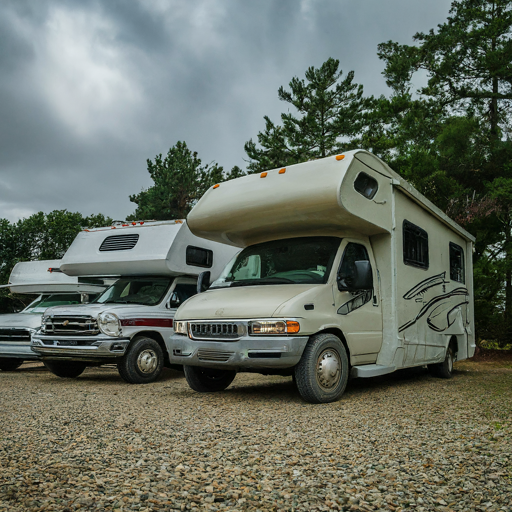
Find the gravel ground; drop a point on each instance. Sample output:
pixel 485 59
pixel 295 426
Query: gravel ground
pixel 402 441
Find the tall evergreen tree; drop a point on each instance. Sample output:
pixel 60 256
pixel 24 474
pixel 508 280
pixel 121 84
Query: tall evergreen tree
pixel 179 181
pixel 330 109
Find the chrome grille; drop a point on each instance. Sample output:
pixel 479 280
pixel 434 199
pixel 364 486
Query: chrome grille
pixel 15 335
pixel 213 355
pixel 71 325
pixel 119 242
pixel 216 330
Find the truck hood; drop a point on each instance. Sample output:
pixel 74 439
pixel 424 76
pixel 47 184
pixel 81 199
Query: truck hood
pixel 240 302
pixel 93 310
pixel 28 320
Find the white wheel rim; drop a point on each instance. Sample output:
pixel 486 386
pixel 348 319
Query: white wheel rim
pixel 147 361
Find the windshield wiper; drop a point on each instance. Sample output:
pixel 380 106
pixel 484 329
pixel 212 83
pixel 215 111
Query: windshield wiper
pixel 263 280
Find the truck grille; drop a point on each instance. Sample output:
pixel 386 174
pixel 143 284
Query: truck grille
pixel 15 335
pixel 71 325
pixel 216 331
pixel 213 355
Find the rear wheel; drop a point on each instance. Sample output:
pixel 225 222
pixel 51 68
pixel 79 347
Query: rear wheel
pixel 322 373
pixel 66 369
pixel 143 362
pixel 206 380
pixel 9 364
pixel 444 370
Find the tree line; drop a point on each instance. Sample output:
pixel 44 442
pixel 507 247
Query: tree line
pixel 450 138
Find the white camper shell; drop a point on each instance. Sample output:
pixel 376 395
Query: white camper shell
pixel 153 267
pixel 42 278
pixel 345 268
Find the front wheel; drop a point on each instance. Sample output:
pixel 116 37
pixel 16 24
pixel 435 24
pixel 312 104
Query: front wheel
pixel 9 364
pixel 444 370
pixel 322 373
pixel 143 362
pixel 65 369
pixel 207 380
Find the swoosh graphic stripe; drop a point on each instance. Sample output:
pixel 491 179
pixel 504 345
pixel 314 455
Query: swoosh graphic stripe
pixel 147 322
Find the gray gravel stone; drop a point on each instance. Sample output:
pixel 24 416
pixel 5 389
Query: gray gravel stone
pixel 399 442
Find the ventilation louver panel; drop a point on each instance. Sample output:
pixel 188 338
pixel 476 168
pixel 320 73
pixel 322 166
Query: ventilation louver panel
pixel 119 242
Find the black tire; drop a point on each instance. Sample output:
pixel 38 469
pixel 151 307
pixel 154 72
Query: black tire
pixel 208 380
pixel 444 370
pixel 9 364
pixel 66 369
pixel 322 373
pixel 143 362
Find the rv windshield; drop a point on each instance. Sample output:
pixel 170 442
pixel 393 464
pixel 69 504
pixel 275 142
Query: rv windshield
pixel 47 301
pixel 147 291
pixel 292 261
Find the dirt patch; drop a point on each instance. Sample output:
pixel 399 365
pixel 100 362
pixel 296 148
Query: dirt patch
pixel 487 355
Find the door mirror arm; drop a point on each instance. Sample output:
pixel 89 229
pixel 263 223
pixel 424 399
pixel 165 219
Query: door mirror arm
pixel 203 281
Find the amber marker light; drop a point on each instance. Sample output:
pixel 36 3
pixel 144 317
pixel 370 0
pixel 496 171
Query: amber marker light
pixel 263 175
pixel 292 327
pixel 282 171
pixel 340 157
pixel 216 186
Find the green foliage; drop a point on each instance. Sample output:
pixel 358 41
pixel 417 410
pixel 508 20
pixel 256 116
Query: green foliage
pixel 179 181
pixel 39 237
pixel 330 110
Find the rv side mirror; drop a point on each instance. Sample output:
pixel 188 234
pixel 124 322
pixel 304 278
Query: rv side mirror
pixel 361 278
pixel 203 281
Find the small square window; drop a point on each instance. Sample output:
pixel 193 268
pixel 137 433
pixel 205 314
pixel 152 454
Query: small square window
pixel 366 185
pixel 415 241
pixel 456 263
pixel 198 257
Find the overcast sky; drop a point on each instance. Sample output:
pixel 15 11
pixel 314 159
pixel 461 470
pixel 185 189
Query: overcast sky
pixel 90 89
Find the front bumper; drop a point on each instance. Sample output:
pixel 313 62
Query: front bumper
pixel 16 350
pixel 249 352
pixel 79 348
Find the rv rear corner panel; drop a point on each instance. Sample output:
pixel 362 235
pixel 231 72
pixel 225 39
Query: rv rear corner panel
pixel 433 285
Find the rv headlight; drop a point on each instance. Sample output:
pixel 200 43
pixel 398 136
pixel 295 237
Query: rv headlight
pixel 181 327
pixel 259 327
pixel 109 324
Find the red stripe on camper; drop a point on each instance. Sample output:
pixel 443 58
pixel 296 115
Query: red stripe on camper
pixel 147 322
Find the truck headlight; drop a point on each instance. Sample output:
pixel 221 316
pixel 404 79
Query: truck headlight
pixel 109 324
pixel 259 327
pixel 181 327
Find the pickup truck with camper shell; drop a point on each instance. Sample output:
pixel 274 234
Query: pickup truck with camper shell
pixel 53 288
pixel 345 269
pixel 153 267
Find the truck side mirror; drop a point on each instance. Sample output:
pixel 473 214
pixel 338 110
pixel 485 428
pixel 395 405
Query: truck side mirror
pixel 203 281
pixel 361 279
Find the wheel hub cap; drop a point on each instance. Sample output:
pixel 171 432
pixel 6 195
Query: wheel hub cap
pixel 328 369
pixel 147 361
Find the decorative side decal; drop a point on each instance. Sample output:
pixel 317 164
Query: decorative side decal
pixel 440 307
pixel 355 303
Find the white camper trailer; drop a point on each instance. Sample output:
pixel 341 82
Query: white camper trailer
pixel 155 266
pixel 54 288
pixel 345 268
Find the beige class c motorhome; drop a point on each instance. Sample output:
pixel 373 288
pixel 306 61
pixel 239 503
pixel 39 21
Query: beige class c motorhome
pixel 345 268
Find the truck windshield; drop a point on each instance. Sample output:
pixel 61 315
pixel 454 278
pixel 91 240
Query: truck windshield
pixel 47 301
pixel 292 261
pixel 136 290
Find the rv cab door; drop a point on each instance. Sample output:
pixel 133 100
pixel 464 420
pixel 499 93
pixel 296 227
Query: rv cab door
pixel 356 301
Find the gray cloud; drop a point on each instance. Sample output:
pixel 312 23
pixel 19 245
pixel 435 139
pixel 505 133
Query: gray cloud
pixel 90 90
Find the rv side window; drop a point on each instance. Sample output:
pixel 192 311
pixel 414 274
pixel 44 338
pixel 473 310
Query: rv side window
pixel 415 242
pixel 456 263
pixel 119 242
pixel 199 257
pixel 366 185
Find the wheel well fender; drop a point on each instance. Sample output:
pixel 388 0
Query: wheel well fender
pixel 154 335
pixel 454 342
pixel 339 333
